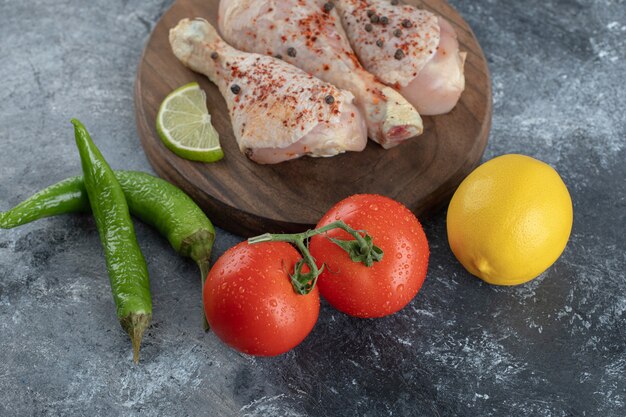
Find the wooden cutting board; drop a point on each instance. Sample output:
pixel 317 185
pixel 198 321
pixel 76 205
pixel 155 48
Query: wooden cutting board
pixel 247 199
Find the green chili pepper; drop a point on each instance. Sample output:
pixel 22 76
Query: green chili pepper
pixel 154 201
pixel 67 196
pixel 174 214
pixel 126 265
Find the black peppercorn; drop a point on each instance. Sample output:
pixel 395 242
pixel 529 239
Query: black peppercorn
pixel 407 23
pixel 235 89
pixel 384 20
pixel 292 52
pixel 329 99
pixel 374 18
pixel 399 54
pixel 214 55
pixel 379 43
pixel 368 27
pixel 328 6
pixel 370 13
pixel 397 33
pixel 395 2
pixel 278 56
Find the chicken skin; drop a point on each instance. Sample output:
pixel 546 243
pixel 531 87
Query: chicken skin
pixel 309 35
pixel 412 50
pixel 278 111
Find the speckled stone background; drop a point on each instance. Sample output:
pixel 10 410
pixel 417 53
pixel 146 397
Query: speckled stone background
pixel 553 347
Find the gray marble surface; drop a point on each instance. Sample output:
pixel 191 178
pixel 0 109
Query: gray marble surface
pixel 553 347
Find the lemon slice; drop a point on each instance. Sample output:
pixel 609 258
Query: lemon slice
pixel 184 125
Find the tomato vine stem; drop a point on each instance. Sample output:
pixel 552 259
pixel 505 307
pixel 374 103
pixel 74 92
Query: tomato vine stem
pixel 361 249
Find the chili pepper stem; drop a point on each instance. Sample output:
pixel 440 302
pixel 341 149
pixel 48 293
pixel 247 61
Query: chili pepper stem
pixel 204 272
pixel 135 325
pixel 364 251
pixel 200 252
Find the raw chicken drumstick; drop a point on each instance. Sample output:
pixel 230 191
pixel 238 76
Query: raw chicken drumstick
pixel 309 35
pixel 278 111
pixel 412 50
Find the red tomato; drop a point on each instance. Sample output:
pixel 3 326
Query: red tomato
pixel 388 285
pixel 249 301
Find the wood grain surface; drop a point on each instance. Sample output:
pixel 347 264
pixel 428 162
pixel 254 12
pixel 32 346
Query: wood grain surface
pixel 247 199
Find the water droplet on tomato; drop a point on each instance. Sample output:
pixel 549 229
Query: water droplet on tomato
pixel 399 255
pixel 400 288
pixel 273 303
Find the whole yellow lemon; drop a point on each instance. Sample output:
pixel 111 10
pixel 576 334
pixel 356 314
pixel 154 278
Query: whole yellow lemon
pixel 510 220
